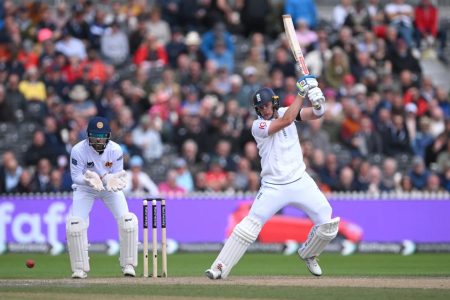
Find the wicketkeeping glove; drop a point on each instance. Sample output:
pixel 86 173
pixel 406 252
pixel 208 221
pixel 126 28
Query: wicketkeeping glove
pixel 93 180
pixel 116 182
pixel 305 83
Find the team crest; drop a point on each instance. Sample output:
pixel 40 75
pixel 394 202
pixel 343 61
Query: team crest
pixel 258 97
pixel 99 125
pixel 108 164
pixel 262 125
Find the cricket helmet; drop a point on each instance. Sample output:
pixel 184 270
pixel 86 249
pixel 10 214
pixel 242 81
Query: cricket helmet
pixel 263 96
pixel 99 133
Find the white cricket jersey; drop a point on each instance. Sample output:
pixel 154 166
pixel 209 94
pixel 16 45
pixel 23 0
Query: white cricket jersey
pixel 281 154
pixel 83 157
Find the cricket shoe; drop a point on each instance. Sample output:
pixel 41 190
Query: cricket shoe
pixel 128 271
pixel 313 266
pixel 215 272
pixel 79 274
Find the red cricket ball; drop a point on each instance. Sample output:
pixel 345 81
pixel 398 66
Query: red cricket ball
pixel 30 263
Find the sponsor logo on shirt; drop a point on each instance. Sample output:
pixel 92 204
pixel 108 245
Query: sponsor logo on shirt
pixel 74 162
pixel 108 164
pixel 120 158
pixel 262 125
pixel 90 164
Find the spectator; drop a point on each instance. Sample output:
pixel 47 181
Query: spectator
pixel 41 179
pixel 283 63
pixel 158 27
pixel 375 184
pixel 216 178
pixel 175 46
pixel 303 9
pixel 147 136
pixel 403 59
pixel 193 51
pixel 405 184
pixel 151 53
pixel 211 37
pixel 70 46
pixel 433 184
pixel 306 37
pixel 10 172
pixel 340 13
pixel 443 158
pixel 114 45
pixel 396 137
pixel 346 182
pixel 25 184
pixel 31 87
pixel 38 149
pixel 418 173
pixel 390 175
pixel 97 29
pixel 330 174
pixel 367 141
pixel 139 183
pixel 221 56
pixel 423 137
pixel 336 68
pixel 82 105
pixel 170 187
pixel 7 112
pixel 184 177
pixel 400 15
pixel 254 59
pixel 240 179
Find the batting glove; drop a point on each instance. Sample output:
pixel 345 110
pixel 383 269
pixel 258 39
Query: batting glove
pixel 317 99
pixel 305 83
pixel 93 180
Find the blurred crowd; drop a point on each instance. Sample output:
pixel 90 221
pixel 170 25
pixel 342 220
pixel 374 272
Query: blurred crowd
pixel 175 80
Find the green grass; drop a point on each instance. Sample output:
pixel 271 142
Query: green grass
pixel 12 266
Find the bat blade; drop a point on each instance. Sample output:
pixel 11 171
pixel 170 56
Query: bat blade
pixel 294 45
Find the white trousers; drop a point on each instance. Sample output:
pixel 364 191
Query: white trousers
pixel 83 200
pixel 303 194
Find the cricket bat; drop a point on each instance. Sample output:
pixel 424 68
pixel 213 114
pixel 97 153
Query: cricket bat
pixel 293 43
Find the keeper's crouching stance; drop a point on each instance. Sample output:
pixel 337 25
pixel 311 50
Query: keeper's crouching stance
pixel 284 179
pixel 97 172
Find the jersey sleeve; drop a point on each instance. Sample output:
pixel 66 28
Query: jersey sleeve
pixel 76 167
pixel 118 160
pixel 260 128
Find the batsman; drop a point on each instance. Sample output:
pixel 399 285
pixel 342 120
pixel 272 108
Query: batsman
pixel 284 179
pixel 96 167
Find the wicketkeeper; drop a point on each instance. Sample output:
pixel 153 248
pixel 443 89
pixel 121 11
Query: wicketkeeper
pixel 96 167
pixel 284 179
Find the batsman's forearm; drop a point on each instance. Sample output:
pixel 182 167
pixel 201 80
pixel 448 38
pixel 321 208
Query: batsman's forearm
pixel 307 113
pixel 294 109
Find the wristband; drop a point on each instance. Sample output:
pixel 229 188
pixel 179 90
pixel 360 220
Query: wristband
pixel 319 112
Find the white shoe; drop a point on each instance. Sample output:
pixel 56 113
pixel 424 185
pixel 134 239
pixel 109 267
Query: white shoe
pixel 313 266
pixel 79 274
pixel 215 272
pixel 128 270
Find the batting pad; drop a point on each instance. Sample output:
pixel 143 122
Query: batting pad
pixel 319 237
pixel 77 244
pixel 244 234
pixel 128 233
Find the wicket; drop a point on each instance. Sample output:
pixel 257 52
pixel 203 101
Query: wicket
pixel 155 236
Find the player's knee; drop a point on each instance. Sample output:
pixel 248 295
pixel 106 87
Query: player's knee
pixel 128 221
pixel 322 214
pixel 75 224
pixel 248 229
